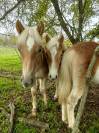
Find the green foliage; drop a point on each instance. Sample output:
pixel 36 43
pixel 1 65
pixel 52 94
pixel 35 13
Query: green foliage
pixel 7 40
pixel 12 40
pixel 87 11
pixel 40 12
pixel 42 9
pixel 31 12
pixel 2 42
pixel 67 43
pixel 93 33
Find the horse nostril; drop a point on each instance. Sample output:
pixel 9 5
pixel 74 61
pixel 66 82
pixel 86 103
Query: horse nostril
pixel 50 76
pixel 21 78
pixel 26 84
pixel 31 81
pixel 56 76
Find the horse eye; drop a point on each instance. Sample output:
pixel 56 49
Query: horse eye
pixel 39 50
pixel 19 49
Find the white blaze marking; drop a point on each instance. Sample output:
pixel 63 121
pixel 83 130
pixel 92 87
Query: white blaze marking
pixel 30 42
pixel 53 68
pixel 33 37
pixel 53 45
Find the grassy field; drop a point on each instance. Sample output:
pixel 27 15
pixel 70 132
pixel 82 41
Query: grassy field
pixel 11 89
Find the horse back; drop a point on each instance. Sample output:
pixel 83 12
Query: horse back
pixel 82 56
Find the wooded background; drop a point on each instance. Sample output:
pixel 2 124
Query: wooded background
pixel 77 19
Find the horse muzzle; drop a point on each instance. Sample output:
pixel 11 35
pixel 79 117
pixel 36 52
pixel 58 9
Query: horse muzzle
pixel 27 83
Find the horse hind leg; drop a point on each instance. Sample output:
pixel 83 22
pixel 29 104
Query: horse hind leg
pixel 64 113
pixel 63 91
pixel 63 97
pixel 72 101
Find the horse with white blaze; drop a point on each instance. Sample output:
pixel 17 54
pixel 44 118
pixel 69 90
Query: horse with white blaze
pixel 34 63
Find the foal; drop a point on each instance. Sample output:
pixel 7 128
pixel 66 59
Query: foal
pixel 55 49
pixel 71 80
pixel 33 59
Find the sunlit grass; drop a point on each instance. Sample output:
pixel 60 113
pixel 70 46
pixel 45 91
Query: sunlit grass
pixel 9 60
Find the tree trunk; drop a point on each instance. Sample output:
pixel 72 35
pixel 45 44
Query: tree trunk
pixel 62 22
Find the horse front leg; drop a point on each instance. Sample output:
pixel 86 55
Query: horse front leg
pixel 56 91
pixel 56 95
pixel 43 90
pixel 34 102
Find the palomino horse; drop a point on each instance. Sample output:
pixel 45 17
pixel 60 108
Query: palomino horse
pixel 33 59
pixel 71 75
pixel 54 51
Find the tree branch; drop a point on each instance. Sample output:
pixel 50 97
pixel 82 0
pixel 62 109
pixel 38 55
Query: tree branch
pixel 30 122
pixel 12 117
pixel 62 22
pixel 11 9
pixel 93 33
pixel 81 12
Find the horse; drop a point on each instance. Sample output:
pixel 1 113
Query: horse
pixel 54 51
pixel 70 69
pixel 34 63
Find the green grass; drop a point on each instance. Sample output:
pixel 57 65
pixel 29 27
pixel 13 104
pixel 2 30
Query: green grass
pixel 9 60
pixel 13 90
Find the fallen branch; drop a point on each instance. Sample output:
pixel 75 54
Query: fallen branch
pixel 84 97
pixel 34 123
pixel 12 117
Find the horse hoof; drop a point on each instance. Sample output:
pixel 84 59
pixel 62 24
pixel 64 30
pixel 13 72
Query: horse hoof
pixel 70 126
pixel 65 121
pixel 55 98
pixel 45 103
pixel 34 113
pixel 30 116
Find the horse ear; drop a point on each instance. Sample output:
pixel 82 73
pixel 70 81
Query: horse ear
pixel 46 37
pixel 19 27
pixel 40 28
pixel 61 39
